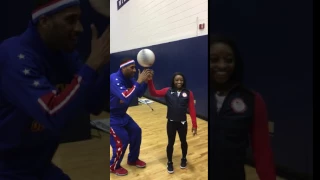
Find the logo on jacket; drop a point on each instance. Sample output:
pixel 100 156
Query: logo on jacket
pixel 36 127
pixel 238 106
pixel 61 87
pixel 184 94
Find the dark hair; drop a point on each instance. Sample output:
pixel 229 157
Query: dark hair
pixel 39 3
pixel 184 85
pixel 125 60
pixel 238 71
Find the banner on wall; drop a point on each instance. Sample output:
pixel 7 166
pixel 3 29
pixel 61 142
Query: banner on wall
pixel 121 3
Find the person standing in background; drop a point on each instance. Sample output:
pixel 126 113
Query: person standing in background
pixel 238 116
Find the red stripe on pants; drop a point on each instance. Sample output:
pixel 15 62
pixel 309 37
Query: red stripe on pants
pixel 118 151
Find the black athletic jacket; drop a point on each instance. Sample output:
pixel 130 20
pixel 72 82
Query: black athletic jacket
pixel 242 120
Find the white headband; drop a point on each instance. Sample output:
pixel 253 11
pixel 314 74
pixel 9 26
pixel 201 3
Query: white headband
pixel 52 7
pixel 127 63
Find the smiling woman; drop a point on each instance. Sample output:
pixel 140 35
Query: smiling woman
pixel 238 117
pixel 179 99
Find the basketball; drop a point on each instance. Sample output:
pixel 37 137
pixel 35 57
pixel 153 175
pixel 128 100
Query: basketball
pixel 146 58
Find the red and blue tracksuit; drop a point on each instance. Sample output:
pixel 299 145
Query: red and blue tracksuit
pixel 123 129
pixel 33 112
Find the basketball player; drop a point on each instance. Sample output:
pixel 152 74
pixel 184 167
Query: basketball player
pixel 123 129
pixel 238 116
pixel 33 113
pixel 178 100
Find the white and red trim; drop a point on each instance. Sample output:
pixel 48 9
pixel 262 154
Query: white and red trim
pixel 53 6
pixel 52 102
pixel 128 92
pixel 127 63
pixel 118 150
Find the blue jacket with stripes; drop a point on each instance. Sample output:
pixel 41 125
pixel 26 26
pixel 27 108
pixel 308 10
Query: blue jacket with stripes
pixel 33 111
pixel 122 92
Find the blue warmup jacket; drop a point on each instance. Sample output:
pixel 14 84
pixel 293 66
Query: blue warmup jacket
pixel 33 112
pixel 122 91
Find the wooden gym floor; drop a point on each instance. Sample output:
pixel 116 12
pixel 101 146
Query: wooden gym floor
pixel 89 160
pixel 153 148
pixel 86 160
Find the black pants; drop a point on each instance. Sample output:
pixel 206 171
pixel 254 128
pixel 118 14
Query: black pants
pixel 227 171
pixel 226 163
pixel 172 128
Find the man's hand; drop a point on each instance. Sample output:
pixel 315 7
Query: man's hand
pixel 143 76
pixel 100 48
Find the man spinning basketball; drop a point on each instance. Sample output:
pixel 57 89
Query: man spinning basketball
pixel 124 130
pixel 33 112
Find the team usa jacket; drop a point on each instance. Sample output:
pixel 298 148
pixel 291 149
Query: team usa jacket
pixel 177 105
pixel 33 112
pixel 241 120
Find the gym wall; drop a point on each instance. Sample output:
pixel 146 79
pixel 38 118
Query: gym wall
pixel 170 29
pixel 276 44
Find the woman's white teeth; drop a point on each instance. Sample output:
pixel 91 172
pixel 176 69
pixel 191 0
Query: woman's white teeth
pixel 221 73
